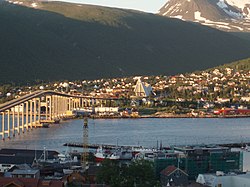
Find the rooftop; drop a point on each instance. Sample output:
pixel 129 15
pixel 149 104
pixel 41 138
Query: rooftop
pixel 25 171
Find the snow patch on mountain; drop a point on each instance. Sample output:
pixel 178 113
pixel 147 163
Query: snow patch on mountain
pixel 238 3
pixel 34 5
pixel 197 16
pixel 222 4
pixel 229 15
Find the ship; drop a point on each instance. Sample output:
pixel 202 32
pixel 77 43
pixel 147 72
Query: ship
pixel 117 154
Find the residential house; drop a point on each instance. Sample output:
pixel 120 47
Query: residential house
pixel 29 182
pixel 172 176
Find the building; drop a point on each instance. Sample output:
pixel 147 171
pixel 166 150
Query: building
pixel 200 160
pixel 232 111
pixel 24 173
pixel 142 89
pixel 13 157
pixel 173 176
pixel 224 180
pixel 25 182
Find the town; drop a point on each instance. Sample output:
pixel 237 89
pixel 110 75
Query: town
pixel 219 92
pixel 214 92
pixel 163 166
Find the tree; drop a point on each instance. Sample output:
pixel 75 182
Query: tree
pixel 139 173
pixel 109 172
pixel 142 174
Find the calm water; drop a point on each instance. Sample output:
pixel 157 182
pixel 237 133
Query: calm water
pixel 143 132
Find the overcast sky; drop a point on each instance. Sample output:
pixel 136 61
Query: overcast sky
pixel 143 5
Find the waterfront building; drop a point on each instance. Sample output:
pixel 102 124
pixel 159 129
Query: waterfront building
pixel 224 180
pixel 9 158
pixel 200 160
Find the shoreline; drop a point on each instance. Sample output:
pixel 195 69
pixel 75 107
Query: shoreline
pixel 169 116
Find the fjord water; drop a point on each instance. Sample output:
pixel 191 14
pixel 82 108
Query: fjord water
pixel 144 132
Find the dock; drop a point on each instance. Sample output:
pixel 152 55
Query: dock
pixel 95 146
pixel 110 146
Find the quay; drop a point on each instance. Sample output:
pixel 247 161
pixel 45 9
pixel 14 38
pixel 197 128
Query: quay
pixel 95 146
pixel 242 145
pixel 190 116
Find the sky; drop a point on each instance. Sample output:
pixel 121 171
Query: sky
pixel 151 6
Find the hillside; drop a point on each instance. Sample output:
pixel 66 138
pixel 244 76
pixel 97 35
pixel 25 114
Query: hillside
pixel 241 65
pixel 55 41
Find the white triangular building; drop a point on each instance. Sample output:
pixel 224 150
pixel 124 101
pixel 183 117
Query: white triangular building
pixel 142 89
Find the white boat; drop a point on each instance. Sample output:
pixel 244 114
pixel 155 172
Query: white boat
pixel 66 158
pixel 43 160
pixel 101 154
pixel 118 154
pixel 146 155
pixel 114 156
pixel 247 148
pixel 125 154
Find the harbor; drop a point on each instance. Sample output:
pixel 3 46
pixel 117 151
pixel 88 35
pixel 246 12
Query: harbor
pixel 134 132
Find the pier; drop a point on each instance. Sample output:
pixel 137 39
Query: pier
pixel 112 146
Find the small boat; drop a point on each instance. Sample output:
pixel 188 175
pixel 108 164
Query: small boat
pixel 57 121
pixel 121 154
pixel 114 156
pixel 149 155
pixel 247 148
pixel 71 169
pixel 136 150
pixel 101 154
pixel 45 125
pixel 117 154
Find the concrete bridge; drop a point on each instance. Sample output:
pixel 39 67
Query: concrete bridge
pixel 30 111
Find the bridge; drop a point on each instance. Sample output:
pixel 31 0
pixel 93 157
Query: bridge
pixel 32 110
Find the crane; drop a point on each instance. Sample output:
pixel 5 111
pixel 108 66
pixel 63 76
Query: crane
pixel 84 158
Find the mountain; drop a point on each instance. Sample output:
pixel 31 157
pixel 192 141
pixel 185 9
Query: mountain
pixel 56 41
pixel 227 15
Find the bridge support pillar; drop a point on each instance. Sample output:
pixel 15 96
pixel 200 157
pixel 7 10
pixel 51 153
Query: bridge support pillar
pixel 8 130
pixel 3 125
pixel 13 121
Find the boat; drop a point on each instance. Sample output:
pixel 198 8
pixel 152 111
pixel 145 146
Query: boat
pixel 146 155
pixel 117 154
pixel 114 156
pixel 43 160
pixel 136 150
pixel 121 154
pixel 101 154
pixel 65 159
pixel 247 148
pixel 68 171
pixel 45 125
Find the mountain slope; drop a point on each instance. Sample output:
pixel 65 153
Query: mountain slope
pixel 69 41
pixel 228 15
